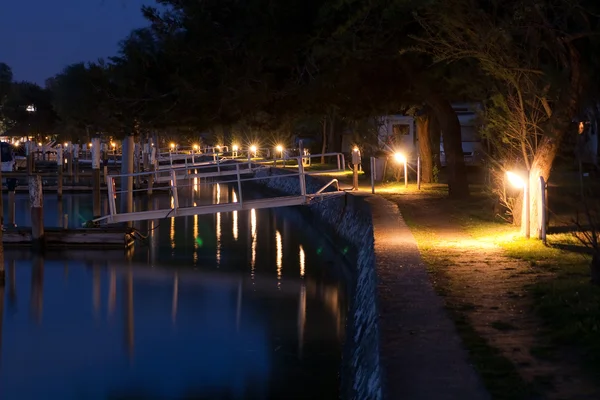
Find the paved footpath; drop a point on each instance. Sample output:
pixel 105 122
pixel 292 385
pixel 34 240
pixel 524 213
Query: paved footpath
pixel 421 352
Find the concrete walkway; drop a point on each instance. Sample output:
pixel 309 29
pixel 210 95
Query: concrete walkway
pixel 421 352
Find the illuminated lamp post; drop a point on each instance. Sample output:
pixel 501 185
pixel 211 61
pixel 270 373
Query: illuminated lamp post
pixel 401 159
pixel 279 149
pixel 355 163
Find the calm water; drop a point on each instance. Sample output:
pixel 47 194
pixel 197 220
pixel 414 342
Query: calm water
pixel 245 305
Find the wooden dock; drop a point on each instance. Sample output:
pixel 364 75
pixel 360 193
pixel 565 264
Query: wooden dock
pixel 56 238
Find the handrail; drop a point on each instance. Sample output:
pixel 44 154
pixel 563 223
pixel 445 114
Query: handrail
pixel 231 172
pixel 331 182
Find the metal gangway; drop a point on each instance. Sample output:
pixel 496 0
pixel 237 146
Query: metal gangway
pixel 195 177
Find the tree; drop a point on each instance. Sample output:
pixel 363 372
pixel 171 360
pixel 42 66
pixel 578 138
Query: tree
pixel 227 61
pixel 25 120
pixel 377 33
pixel 6 78
pixel 532 53
pixel 78 100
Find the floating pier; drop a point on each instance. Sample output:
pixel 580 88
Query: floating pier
pixel 90 238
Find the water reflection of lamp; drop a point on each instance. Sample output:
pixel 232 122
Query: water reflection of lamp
pixel 235 219
pixel 96 287
pixel 12 289
pixel 195 237
pixel 218 232
pixel 238 316
pixel 253 232
pixel 112 290
pixel 37 287
pixel 301 319
pixel 152 238
pixel 129 316
pixel 172 233
pixel 175 296
pixel 218 227
pixel 279 256
pixel 302 261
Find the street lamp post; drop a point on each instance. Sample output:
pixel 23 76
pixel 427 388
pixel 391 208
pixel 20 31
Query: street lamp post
pixel 279 149
pixel 355 163
pixel 401 158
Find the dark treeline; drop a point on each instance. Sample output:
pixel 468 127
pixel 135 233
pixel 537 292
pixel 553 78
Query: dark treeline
pixel 261 67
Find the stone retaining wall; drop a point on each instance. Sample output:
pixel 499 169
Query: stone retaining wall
pixel 349 218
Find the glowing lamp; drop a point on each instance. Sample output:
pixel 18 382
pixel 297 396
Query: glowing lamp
pixel 253 149
pixel 235 147
pixel 355 149
pixel 400 158
pixel 515 180
pixel 279 148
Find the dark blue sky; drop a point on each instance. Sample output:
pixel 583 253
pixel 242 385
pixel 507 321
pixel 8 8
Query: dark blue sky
pixel 38 38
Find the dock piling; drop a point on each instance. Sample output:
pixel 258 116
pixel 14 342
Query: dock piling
pixel 76 163
pixel 12 215
pixel 126 192
pixel 59 164
pixel 97 211
pixel 70 160
pixel 36 202
pixel 29 155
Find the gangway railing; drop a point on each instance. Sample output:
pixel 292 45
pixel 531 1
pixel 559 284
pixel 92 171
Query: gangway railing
pixel 233 174
pixel 162 173
pixel 331 182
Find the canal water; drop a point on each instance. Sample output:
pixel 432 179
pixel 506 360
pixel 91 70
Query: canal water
pixel 242 305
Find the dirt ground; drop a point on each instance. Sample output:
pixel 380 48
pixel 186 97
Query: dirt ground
pixel 489 288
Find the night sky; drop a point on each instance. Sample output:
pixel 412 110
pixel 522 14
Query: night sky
pixel 38 38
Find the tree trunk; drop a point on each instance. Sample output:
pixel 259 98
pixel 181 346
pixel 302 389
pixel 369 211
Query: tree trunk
pixel 549 144
pixel 435 136
pixel 425 150
pixel 458 185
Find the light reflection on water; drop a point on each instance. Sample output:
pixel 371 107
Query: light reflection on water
pixel 267 323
